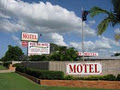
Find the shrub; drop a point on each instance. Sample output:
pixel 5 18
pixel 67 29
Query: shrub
pixel 39 58
pixel 69 77
pixel 21 69
pixel 6 64
pixel 51 75
pixel 42 74
pixel 94 78
pixel 118 77
pixel 79 78
pixel 16 65
pixel 110 77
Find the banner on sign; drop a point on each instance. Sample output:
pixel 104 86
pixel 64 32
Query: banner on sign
pixel 35 48
pixel 29 36
pixel 25 43
pixel 84 68
pixel 87 54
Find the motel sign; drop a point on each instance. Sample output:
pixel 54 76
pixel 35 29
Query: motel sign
pixel 29 36
pixel 84 68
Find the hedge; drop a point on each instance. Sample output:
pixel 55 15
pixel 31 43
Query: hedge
pixel 41 74
pixel 118 77
pixel 59 75
pixel 108 77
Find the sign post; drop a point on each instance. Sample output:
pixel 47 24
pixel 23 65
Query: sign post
pixel 26 38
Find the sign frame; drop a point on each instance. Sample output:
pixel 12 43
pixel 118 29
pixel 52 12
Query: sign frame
pixel 86 67
pixel 88 54
pixel 25 36
pixel 38 48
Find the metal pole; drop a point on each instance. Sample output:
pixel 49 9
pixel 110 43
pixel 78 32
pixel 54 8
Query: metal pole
pixel 82 41
pixel 27 55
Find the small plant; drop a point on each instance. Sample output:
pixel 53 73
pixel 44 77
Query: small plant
pixel 69 77
pixel 94 78
pixel 110 77
pixel 118 77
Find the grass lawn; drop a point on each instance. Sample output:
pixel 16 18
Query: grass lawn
pixel 13 81
pixel 2 68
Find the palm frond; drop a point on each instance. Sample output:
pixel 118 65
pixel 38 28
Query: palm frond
pixel 116 5
pixel 96 10
pixel 103 25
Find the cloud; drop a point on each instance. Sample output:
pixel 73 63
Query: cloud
pixel 9 26
pixel 91 22
pixel 101 45
pixel 55 38
pixel 117 31
pixel 16 39
pixel 41 17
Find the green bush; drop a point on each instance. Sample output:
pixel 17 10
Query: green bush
pixel 79 78
pixel 21 69
pixel 39 58
pixel 42 74
pixel 6 64
pixel 51 75
pixel 16 65
pixel 118 77
pixel 110 77
pixel 69 77
pixel 94 78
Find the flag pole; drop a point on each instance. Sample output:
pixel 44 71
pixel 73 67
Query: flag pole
pixel 82 41
pixel 82 38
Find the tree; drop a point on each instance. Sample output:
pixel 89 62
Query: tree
pixel 64 54
pixel 71 54
pixel 117 54
pixel 113 17
pixel 13 53
pixel 39 58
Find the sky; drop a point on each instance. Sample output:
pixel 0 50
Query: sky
pixel 59 22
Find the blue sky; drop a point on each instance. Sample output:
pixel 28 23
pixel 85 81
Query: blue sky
pixel 59 22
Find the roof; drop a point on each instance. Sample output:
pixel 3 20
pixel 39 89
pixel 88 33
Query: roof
pixel 104 57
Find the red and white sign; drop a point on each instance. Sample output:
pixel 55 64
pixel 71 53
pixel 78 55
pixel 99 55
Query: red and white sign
pixel 35 48
pixel 25 43
pixel 87 54
pixel 84 68
pixel 29 36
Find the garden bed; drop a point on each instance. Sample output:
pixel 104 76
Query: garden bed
pixel 76 83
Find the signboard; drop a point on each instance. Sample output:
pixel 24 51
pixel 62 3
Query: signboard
pixel 87 54
pixel 25 43
pixel 84 68
pixel 35 48
pixel 29 36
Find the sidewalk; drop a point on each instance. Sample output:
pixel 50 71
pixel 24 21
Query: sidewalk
pixel 6 71
pixel 11 69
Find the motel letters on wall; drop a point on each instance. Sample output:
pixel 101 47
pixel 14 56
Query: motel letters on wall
pixel 84 68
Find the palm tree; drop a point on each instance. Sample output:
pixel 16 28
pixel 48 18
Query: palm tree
pixel 113 17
